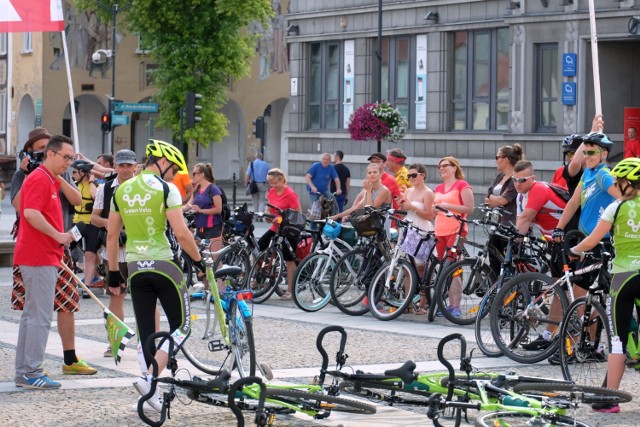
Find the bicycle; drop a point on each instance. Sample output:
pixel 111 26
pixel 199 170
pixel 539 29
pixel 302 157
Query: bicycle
pixel 311 283
pixel 513 401
pixel 354 272
pixel 221 322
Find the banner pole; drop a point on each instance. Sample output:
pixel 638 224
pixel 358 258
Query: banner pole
pixel 72 104
pixel 594 58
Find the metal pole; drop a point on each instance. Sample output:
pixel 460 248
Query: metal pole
pixel 379 54
pixel 594 58
pixel 114 12
pixel 233 190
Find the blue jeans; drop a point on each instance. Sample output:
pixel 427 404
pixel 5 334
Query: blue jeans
pixel 341 200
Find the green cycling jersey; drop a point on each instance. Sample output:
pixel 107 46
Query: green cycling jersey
pixel 625 217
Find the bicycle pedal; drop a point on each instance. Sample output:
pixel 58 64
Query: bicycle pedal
pixel 216 345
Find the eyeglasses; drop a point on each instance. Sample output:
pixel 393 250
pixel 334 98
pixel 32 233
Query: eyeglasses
pixel 500 157
pixel 521 180
pixel 275 174
pixel 570 154
pixel 196 173
pixel 413 175
pixel 65 157
pixel 444 165
pixel 591 152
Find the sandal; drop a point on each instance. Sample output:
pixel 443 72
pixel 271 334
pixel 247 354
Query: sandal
pixel 286 296
pixel 421 311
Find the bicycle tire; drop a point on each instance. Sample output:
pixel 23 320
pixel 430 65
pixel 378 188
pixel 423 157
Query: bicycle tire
pixel 242 343
pixel 187 268
pixel 377 392
pixel 235 255
pixel 389 302
pixel 563 391
pixel 265 274
pixel 312 282
pixel 435 267
pixel 473 279
pixel 514 419
pixel 350 280
pixel 515 322
pixel 204 331
pixel 484 336
pixel 584 361
pixel 304 399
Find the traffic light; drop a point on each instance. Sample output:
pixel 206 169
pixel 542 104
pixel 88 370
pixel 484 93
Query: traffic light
pixel 193 109
pixel 105 123
pixel 258 127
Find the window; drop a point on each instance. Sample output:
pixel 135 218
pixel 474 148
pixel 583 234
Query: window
pixel 27 43
pixel 150 74
pixel 3 111
pixel 397 73
pixel 325 77
pixel 3 44
pixel 141 49
pixel 481 80
pixel 546 87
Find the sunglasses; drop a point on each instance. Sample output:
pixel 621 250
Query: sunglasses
pixel 591 152
pixel 500 157
pixel 413 175
pixel 521 180
pixel 444 165
pixel 195 173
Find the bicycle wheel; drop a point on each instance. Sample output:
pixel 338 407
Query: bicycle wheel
pixel 460 289
pixel 508 418
pixel 392 290
pixel 320 402
pixel 350 280
pixel 237 256
pixel 564 392
pixel 311 282
pixel 585 343
pixel 187 268
pixel 265 274
pixel 522 311
pixel 242 343
pixel 429 285
pixel 484 336
pixel 414 393
pixel 205 337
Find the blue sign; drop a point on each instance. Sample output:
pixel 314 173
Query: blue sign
pixel 569 64
pixel 119 119
pixel 136 107
pixel 568 93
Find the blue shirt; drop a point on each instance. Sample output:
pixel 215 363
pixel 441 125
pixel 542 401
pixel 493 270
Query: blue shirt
pixel 321 176
pixel 260 169
pixel 594 197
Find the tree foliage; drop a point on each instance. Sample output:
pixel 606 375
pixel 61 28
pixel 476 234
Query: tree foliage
pixel 199 45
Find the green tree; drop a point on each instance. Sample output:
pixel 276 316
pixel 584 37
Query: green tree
pixel 199 45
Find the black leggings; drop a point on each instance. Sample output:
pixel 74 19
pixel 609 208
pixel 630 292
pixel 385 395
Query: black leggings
pixel 625 289
pixel 148 286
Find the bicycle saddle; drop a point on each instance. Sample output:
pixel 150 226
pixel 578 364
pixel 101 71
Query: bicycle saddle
pixel 228 270
pixel 404 372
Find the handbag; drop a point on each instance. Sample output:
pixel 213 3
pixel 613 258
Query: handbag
pixel 252 186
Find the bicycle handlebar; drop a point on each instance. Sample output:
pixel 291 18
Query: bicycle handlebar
pixel 261 416
pixel 445 362
pixel 341 357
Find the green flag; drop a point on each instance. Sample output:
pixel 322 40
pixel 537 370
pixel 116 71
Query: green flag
pixel 118 334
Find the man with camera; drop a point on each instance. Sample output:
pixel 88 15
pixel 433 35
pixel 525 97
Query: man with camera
pixel 66 296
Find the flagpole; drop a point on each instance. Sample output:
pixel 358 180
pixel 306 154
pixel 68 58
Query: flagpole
pixel 72 104
pixel 594 57
pixel 9 85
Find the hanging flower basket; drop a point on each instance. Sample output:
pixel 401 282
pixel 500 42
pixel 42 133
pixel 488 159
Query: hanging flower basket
pixel 378 121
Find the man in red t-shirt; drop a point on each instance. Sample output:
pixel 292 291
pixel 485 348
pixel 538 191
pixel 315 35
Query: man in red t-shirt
pixel 387 179
pixel 631 145
pixel 38 252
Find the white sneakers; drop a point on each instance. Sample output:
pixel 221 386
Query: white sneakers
pixel 142 386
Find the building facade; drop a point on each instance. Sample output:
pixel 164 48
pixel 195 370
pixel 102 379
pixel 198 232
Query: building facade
pixel 469 76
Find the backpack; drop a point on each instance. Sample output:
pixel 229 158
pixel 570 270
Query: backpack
pixel 226 209
pixel 560 191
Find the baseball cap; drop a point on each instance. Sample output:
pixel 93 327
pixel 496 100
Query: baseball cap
pixel 125 156
pixel 379 156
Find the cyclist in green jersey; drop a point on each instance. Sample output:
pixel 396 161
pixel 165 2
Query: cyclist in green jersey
pixel 143 205
pixel 624 216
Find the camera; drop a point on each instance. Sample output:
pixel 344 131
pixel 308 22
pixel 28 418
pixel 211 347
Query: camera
pixel 35 159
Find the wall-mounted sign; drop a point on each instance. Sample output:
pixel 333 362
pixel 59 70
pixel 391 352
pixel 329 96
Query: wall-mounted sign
pixel 421 82
pixel 349 81
pixel 568 93
pixel 569 64
pixel 294 86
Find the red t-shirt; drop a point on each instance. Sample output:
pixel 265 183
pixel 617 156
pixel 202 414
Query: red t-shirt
pixel 40 191
pixel 390 182
pixel 558 177
pixel 287 200
pixel 632 148
pixel 546 202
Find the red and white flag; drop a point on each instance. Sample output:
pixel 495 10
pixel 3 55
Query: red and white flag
pixel 31 16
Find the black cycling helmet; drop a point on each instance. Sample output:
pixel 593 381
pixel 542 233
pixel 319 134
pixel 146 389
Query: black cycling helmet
pixel 82 165
pixel 571 143
pixel 599 139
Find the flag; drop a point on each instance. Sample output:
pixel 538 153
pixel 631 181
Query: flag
pixel 31 16
pixel 118 334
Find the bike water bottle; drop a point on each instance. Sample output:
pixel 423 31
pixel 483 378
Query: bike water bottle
pixel 616 345
pixel 514 401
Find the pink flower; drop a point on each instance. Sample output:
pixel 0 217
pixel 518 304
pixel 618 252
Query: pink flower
pixel 376 122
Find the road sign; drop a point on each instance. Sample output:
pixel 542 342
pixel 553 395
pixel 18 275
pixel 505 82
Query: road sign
pixel 568 93
pixel 569 64
pixel 136 107
pixel 119 119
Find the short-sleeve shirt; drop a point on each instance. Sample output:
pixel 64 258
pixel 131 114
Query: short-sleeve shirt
pixel 260 170
pixel 545 202
pixel 33 247
pixel 181 181
pixel 204 200
pixel 343 174
pixel 444 225
pixel 632 148
pixel 402 178
pixel 626 234
pixel 320 176
pixel 390 182
pixel 140 202
pixel 594 197
pixel 83 213
pixel 287 200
